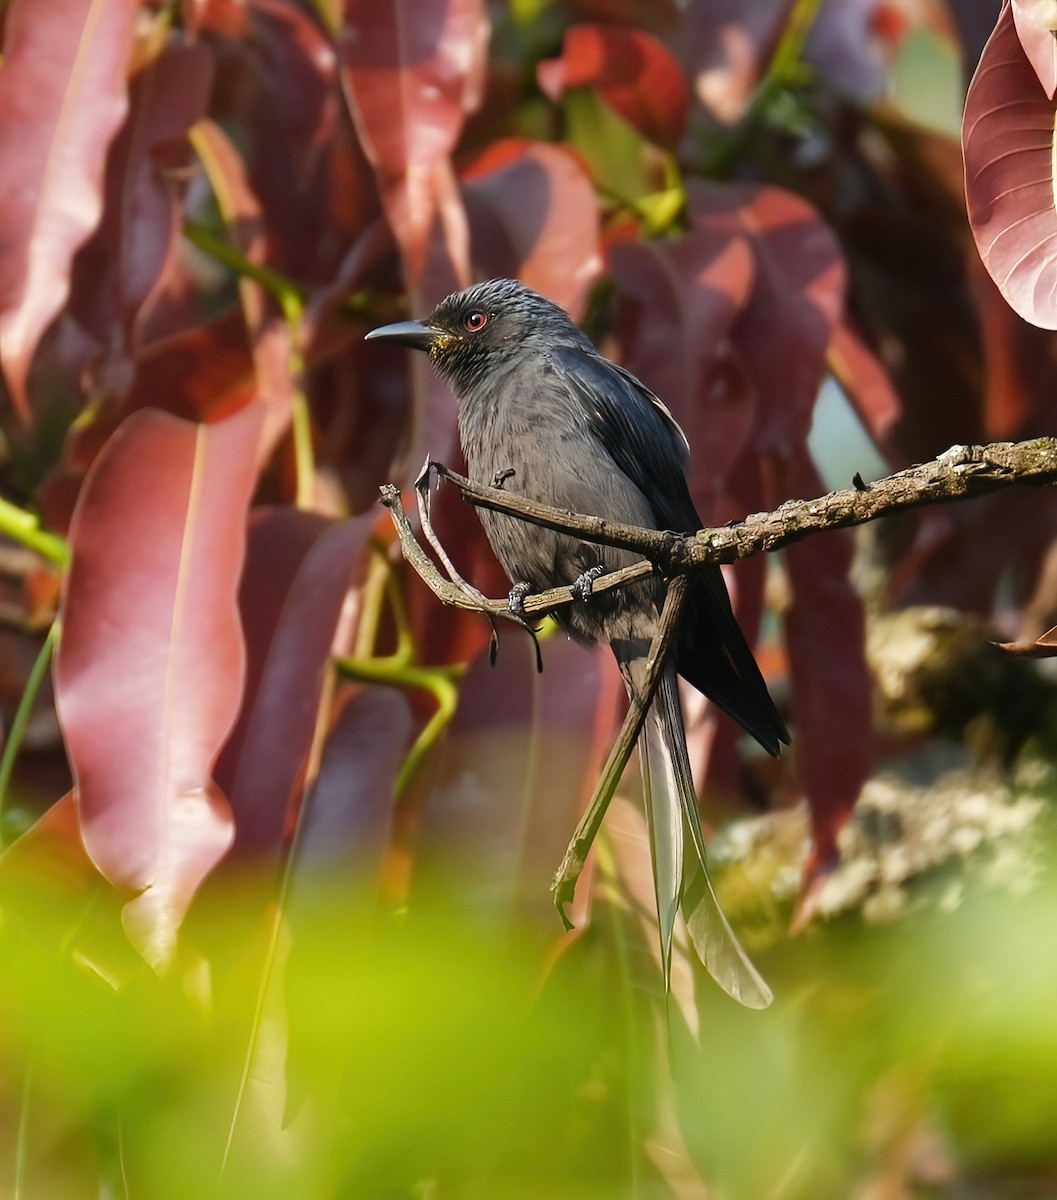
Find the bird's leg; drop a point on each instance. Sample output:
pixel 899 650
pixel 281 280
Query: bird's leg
pixel 516 598
pixel 516 603
pixel 583 585
pixel 500 477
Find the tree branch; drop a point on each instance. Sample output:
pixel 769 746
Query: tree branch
pixel 959 473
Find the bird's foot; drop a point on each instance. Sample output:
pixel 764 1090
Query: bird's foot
pixel 516 598
pixel 500 477
pixel 584 585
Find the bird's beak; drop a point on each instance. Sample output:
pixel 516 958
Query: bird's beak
pixel 406 333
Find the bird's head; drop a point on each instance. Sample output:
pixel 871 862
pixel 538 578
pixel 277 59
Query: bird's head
pixel 480 328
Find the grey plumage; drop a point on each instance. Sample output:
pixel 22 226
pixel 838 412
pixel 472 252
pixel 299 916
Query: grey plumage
pixel 544 414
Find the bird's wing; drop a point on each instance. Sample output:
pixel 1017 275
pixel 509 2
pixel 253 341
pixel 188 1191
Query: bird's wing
pixel 639 433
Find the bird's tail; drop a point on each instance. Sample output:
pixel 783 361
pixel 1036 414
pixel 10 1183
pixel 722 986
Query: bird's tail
pixel 683 882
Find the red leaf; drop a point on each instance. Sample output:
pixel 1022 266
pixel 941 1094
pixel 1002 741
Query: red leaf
pixel 864 381
pixel 521 758
pixel 1008 144
pixel 796 300
pixel 411 73
pixel 832 691
pixel 1037 40
pixel 632 72
pixel 122 265
pixel 299 569
pixel 680 302
pixel 204 373
pixel 533 215
pixel 150 666
pixel 62 99
pixel 294 137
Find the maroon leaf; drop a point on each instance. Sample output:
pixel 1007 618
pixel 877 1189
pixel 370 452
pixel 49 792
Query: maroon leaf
pixel 294 136
pixel 351 806
pixel 632 72
pixel 796 300
pixel 864 381
pixel 62 99
pixel 299 568
pixel 411 73
pixel 1030 19
pixel 534 216
pixel 824 628
pixel 204 373
pixel 150 666
pixel 680 302
pixel 520 760
pixel 119 269
pixel 1008 144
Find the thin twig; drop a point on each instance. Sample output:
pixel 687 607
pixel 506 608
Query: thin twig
pixel 564 882
pixel 538 603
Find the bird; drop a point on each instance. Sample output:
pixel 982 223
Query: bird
pixel 543 413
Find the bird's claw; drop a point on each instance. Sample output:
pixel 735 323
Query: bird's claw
pixel 516 599
pixel 500 477
pixel 584 585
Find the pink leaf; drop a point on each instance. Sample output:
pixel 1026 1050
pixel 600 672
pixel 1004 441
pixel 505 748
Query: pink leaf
pixel 1008 144
pixel 633 73
pixel 411 73
pixel 62 99
pixel 533 215
pixel 150 666
pixel 1037 40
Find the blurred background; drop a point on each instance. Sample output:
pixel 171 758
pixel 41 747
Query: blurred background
pixel 278 836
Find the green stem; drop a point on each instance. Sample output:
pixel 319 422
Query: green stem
pixel 25 706
pixel 22 1136
pixel 24 527
pixel 275 284
pixel 784 69
pixel 300 414
pixel 439 682
pixel 292 301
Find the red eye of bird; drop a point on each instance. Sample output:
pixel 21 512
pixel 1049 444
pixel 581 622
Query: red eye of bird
pixel 476 320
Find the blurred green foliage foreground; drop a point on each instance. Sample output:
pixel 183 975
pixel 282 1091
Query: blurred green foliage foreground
pixel 431 1054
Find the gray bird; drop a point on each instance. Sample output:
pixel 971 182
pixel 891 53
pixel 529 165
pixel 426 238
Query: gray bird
pixel 544 414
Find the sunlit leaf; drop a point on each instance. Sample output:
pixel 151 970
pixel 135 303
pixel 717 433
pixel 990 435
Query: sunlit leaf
pixel 1008 142
pixel 62 99
pixel 411 74
pixel 1035 22
pixel 533 216
pixel 633 72
pixel 150 667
